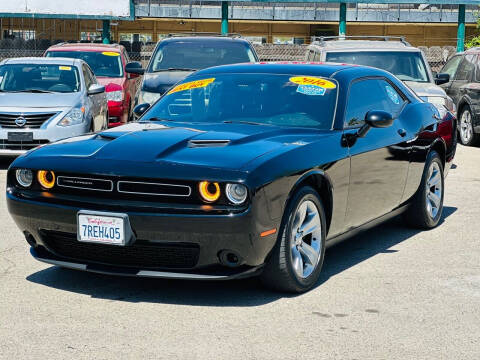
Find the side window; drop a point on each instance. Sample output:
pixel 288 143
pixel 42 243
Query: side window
pixel 465 68
pixel 86 77
pixel 451 66
pixel 371 94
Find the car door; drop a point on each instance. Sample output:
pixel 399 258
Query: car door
pixel 96 101
pixel 450 68
pixel 132 83
pixel 378 161
pixel 463 76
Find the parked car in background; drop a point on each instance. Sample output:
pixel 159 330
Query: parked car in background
pixel 108 62
pixel 179 55
pixel 464 88
pixel 43 100
pixel 392 54
pixel 263 168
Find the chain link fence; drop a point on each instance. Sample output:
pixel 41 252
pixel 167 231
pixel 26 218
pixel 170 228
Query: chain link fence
pixel 436 56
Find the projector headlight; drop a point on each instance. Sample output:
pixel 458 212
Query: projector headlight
pixel 236 193
pixel 114 95
pixel 24 177
pixel 74 117
pixel 147 97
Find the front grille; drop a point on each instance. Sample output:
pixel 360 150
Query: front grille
pixel 142 254
pixel 147 188
pixel 21 145
pixel 85 183
pixel 32 120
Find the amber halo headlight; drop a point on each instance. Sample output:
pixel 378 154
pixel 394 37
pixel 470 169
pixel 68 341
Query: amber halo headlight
pixel 209 191
pixel 46 178
pixel 236 193
pixel 24 177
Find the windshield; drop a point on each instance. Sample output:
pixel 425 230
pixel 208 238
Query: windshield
pixel 407 66
pixel 106 63
pixel 196 55
pixel 271 99
pixel 39 78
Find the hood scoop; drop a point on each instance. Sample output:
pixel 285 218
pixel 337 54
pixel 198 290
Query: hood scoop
pixel 207 143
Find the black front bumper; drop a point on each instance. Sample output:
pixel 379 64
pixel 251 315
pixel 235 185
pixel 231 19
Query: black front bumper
pixel 185 246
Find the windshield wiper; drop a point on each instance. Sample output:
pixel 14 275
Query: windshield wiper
pixel 36 91
pixel 176 69
pixel 243 122
pixel 154 119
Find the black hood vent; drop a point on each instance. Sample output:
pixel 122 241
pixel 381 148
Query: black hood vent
pixel 208 143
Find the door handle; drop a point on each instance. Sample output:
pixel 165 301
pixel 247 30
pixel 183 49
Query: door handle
pixel 402 132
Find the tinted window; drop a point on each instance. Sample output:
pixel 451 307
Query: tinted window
pixel 106 63
pixel 198 55
pixel 451 66
pixel 465 68
pixel 371 94
pixel 39 77
pixel 407 66
pixel 281 100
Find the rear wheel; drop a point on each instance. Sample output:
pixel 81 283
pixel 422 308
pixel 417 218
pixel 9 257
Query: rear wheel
pixel 297 258
pixel 426 208
pixel 467 135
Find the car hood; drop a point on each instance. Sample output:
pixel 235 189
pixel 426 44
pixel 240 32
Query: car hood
pixel 426 89
pixel 213 146
pixel 160 82
pixel 35 100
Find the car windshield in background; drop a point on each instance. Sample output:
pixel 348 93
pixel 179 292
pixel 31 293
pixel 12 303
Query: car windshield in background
pixel 39 78
pixel 271 99
pixel 195 55
pixel 407 66
pixel 105 63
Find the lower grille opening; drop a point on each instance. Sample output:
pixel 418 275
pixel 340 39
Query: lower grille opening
pixel 142 254
pixel 21 145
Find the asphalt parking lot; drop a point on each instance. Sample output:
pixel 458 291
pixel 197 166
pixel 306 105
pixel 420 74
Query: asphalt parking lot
pixel 390 293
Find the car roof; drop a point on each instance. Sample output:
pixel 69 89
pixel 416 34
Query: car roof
pixel 85 47
pixel 43 60
pixel 294 67
pixel 363 45
pixel 204 39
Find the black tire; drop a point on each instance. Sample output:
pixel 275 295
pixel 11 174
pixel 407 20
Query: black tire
pixel 279 273
pixel 418 214
pixel 466 119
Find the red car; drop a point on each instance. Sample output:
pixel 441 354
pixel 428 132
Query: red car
pixel 107 61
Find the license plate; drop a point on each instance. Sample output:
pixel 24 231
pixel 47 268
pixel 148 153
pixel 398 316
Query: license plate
pixel 103 228
pixel 20 136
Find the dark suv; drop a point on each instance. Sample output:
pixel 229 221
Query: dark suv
pixel 179 55
pixel 464 89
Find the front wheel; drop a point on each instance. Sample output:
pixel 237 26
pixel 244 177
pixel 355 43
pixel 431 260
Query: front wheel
pixel 467 135
pixel 297 258
pixel 426 207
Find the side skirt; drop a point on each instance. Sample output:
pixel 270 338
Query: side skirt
pixel 372 223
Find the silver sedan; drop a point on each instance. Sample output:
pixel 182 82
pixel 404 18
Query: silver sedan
pixel 43 100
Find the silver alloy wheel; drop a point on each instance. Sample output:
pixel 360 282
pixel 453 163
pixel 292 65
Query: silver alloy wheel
pixel 434 190
pixel 306 236
pixel 466 129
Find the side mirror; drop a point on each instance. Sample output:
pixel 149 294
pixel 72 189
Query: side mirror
pixel 134 68
pixel 442 78
pixel 139 110
pixel 95 89
pixel 375 119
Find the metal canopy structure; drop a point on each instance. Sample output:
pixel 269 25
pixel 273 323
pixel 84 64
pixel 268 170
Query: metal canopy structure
pixel 342 21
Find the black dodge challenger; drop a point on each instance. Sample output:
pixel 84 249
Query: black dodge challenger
pixel 239 170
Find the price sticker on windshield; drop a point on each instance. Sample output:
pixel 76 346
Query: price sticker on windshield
pixel 65 68
pixel 313 81
pixel 191 85
pixel 110 53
